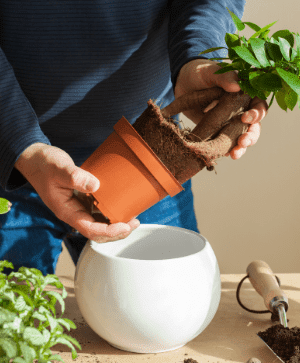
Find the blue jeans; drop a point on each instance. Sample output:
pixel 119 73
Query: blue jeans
pixel 31 235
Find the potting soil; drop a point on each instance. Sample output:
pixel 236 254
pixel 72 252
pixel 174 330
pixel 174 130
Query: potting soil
pixel 170 144
pixel 285 342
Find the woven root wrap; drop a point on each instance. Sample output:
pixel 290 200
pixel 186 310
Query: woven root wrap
pixel 185 152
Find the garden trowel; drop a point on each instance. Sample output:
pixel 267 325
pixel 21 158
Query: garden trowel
pixel 264 282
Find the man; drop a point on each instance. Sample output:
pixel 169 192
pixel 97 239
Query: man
pixel 69 70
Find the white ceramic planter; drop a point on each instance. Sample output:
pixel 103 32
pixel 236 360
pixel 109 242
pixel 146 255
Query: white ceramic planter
pixel 152 292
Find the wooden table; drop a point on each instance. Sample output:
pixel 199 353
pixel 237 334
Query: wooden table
pixel 231 336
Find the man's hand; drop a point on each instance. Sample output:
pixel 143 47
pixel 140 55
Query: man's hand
pixel 53 174
pixel 199 74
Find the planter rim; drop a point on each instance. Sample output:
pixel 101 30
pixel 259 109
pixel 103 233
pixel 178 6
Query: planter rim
pixel 163 175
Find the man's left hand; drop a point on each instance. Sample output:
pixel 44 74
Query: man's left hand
pixel 199 74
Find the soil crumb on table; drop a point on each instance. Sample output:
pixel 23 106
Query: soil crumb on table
pixel 285 342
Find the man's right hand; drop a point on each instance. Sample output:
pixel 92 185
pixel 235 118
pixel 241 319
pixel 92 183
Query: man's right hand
pixel 54 176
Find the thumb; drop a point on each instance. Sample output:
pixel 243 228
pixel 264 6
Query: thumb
pixel 83 181
pixel 229 82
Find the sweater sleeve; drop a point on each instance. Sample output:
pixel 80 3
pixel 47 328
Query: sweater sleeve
pixel 198 25
pixel 19 126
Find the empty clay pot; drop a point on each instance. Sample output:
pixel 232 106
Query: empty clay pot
pixel 132 178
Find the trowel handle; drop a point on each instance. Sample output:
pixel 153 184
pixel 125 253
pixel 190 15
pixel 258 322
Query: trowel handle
pixel 264 282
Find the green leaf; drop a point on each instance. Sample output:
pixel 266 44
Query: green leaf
pixel 46 335
pixel 267 81
pixel 53 322
pixel 258 47
pixel 5 206
pixel 20 360
pixel 72 340
pixel 211 50
pixel 264 35
pixel 218 58
pixel 70 322
pixel 6 316
pixel 252 26
pixel 291 79
pixel 6 264
pixel 64 341
pixel 293 55
pixel 24 298
pixel 56 357
pixel 232 54
pixel 247 88
pixel 290 96
pixel 9 346
pixel 64 323
pixel 273 51
pixel 232 40
pixel 297 36
pixel 53 280
pixel 57 296
pixel 285 34
pixel 280 98
pixel 262 30
pixel 285 48
pixel 225 69
pixel 15 326
pixel 37 315
pixel 8 295
pixel 29 353
pixel 33 336
pixel 247 56
pixel 237 22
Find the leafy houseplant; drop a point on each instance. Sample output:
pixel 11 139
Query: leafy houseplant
pixel 265 65
pixel 21 306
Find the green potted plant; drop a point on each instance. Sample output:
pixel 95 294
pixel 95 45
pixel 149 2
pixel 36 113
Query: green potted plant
pixel 21 307
pixel 265 65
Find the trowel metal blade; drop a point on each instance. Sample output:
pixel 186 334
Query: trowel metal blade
pixel 271 349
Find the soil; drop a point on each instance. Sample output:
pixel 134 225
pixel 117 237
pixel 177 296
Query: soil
pixel 185 152
pixel 190 360
pixel 285 342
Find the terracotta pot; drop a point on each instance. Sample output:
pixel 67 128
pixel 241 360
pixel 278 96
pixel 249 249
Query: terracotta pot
pixel 132 178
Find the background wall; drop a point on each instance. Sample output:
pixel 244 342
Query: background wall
pixel 251 209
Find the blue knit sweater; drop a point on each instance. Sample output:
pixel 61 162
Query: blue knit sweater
pixel 70 69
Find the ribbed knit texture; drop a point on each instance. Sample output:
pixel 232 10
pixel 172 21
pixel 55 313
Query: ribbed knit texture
pixel 70 69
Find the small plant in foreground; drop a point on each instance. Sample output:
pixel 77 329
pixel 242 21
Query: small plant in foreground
pixel 21 306
pixel 5 206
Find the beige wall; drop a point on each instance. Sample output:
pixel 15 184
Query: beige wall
pixel 251 209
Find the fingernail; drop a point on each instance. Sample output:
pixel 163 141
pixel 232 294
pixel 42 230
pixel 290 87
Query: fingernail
pixel 249 117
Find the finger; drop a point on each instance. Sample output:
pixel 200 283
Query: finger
pixel 228 81
pixel 134 223
pixel 79 179
pixel 251 136
pixel 257 111
pixel 237 152
pixel 211 105
pixel 116 235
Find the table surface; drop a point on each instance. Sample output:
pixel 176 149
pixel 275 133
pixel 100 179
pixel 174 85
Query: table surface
pixel 231 336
